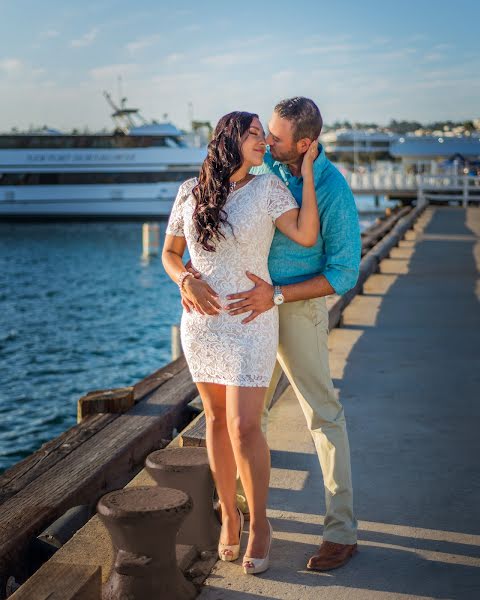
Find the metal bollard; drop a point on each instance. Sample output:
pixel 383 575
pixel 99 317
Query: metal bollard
pixel 143 523
pixel 187 469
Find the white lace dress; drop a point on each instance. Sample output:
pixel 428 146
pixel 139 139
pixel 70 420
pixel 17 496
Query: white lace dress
pixel 219 349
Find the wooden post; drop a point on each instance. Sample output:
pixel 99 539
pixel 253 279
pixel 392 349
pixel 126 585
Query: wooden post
pixel 465 191
pixel 105 401
pixel 151 239
pixel 177 350
pixel 420 194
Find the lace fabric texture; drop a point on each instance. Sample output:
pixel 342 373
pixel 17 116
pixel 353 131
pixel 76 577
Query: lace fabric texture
pixel 219 349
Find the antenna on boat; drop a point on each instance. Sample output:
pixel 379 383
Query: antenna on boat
pixel 123 116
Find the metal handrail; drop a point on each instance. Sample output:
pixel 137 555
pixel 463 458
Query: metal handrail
pixel 381 182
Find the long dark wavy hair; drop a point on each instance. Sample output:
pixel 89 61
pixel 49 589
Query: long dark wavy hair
pixel 224 157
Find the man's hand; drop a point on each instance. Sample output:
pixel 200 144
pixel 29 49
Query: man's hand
pixel 256 301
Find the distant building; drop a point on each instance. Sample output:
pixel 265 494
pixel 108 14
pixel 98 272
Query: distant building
pixel 355 147
pixel 418 152
pixel 430 153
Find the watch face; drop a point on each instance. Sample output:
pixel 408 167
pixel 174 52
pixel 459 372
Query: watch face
pixel 278 299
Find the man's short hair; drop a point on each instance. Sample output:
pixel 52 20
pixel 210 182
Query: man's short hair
pixel 304 115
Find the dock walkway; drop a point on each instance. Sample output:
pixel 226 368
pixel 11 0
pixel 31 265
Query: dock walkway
pixel 406 363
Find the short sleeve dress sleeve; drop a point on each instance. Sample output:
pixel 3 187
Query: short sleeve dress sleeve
pixel 175 224
pixel 279 198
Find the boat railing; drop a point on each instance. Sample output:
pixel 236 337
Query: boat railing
pixel 389 183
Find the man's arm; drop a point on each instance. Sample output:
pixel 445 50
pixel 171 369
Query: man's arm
pixel 260 298
pixel 341 235
pixel 316 287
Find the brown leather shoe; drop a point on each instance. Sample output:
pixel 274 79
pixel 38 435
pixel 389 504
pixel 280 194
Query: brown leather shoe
pixel 331 555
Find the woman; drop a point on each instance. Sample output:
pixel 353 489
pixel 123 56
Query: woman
pixel 227 219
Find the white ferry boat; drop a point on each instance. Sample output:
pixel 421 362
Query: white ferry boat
pixel 133 172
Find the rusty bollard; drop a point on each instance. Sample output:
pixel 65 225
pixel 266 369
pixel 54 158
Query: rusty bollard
pixel 187 469
pixel 143 523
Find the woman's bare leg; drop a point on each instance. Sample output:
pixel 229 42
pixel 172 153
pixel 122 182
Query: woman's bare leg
pixel 244 410
pixel 221 457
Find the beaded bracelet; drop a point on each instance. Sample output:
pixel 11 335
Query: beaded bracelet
pixel 181 278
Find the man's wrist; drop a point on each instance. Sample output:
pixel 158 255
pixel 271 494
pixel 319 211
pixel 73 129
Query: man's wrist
pixel 316 287
pixel 278 297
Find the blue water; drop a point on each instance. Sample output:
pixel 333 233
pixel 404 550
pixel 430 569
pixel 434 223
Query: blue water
pixel 79 310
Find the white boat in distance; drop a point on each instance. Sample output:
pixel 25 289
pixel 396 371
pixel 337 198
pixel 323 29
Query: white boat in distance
pixel 132 173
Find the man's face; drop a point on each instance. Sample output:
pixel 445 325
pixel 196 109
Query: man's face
pixel 280 140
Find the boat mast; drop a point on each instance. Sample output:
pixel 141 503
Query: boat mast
pixel 123 116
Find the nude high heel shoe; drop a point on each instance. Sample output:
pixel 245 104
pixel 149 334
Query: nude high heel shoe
pixel 230 552
pixel 251 565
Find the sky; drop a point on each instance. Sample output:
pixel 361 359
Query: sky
pixel 361 60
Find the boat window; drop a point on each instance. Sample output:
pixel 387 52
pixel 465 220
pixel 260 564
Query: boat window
pixel 48 142
pixel 96 178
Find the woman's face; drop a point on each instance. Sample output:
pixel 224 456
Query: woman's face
pixel 253 146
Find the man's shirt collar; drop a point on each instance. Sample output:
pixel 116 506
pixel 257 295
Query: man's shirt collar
pixel 318 167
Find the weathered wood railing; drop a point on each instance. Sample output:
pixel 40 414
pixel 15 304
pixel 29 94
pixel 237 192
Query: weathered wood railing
pixel 105 451
pixel 100 454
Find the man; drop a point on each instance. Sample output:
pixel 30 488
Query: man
pixel 302 277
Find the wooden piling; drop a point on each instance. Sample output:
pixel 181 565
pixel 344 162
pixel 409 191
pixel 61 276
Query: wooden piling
pixel 151 239
pixel 105 401
pixel 177 350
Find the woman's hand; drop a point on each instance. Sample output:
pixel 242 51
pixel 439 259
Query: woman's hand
pixel 199 294
pixel 309 158
pixel 187 305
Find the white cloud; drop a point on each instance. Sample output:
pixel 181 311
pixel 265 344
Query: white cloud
pixel 49 33
pixel 396 54
pixel 381 40
pixel 11 65
pixel 231 58
pixel 141 43
pixel 183 12
pixel 16 71
pixel 283 76
pixel 113 71
pixel 433 57
pixel 86 40
pixel 331 48
pixel 191 28
pixel 174 58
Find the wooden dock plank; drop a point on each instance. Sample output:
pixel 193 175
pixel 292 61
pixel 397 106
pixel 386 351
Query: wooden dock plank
pixel 376 232
pixel 78 470
pixel 57 581
pixel 104 462
pixel 56 450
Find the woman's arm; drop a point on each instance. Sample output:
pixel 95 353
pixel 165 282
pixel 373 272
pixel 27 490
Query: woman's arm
pixel 197 292
pixel 303 225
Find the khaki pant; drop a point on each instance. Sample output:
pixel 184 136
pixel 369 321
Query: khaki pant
pixel 303 356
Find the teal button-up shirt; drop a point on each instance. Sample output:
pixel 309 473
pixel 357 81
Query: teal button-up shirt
pixel 336 255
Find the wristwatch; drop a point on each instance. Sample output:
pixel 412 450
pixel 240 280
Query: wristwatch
pixel 278 297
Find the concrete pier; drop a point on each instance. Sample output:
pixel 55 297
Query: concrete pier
pixel 406 364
